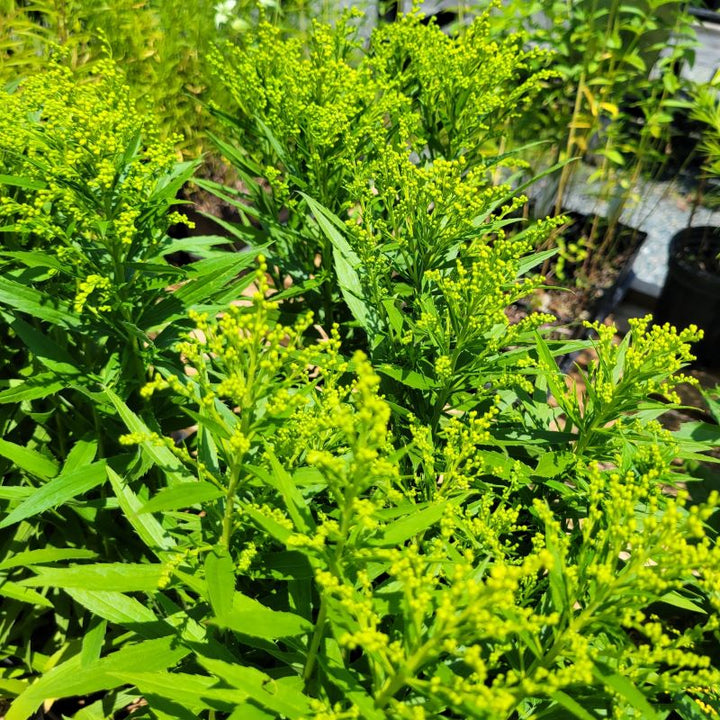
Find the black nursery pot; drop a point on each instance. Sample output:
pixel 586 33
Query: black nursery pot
pixel 691 294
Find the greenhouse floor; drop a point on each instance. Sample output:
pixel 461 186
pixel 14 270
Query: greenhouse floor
pixel 664 208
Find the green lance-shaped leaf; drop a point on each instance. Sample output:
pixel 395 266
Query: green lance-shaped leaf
pixel 59 490
pixel 29 460
pixel 220 578
pixel 71 678
pixel 120 577
pixel 250 617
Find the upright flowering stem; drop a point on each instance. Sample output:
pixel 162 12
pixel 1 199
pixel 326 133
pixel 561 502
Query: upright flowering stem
pixel 315 641
pixel 230 508
pixel 319 631
pixel 394 683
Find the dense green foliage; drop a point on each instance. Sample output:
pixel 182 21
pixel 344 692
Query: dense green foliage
pixel 617 87
pixel 329 476
pixel 162 45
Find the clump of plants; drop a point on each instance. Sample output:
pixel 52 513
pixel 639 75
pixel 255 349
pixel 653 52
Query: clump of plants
pixel 614 99
pixel 705 109
pixel 304 561
pixel 345 483
pixel 336 122
pixel 86 201
pixel 162 46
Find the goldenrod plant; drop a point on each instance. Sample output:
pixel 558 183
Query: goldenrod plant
pixel 86 201
pixel 464 86
pixel 303 561
pixel 330 476
pixel 163 47
pixel 323 121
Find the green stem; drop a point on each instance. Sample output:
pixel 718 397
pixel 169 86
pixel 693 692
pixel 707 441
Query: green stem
pixel 98 432
pixel 440 403
pixel 394 683
pixel 319 630
pixel 328 287
pixel 315 642
pixel 229 509
pixel 569 146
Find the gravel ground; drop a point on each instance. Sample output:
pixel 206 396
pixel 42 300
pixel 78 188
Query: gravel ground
pixel 660 209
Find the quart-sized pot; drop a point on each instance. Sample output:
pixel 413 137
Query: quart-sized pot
pixel 691 294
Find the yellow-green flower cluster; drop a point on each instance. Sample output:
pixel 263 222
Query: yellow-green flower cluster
pixel 85 184
pixel 358 417
pixel 92 284
pixel 465 85
pixel 660 351
pixel 463 437
pixel 468 320
pixel 453 614
pixel 247 372
pixel 323 107
pixel 638 547
pixel 620 377
pixel 425 210
pixel 246 362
